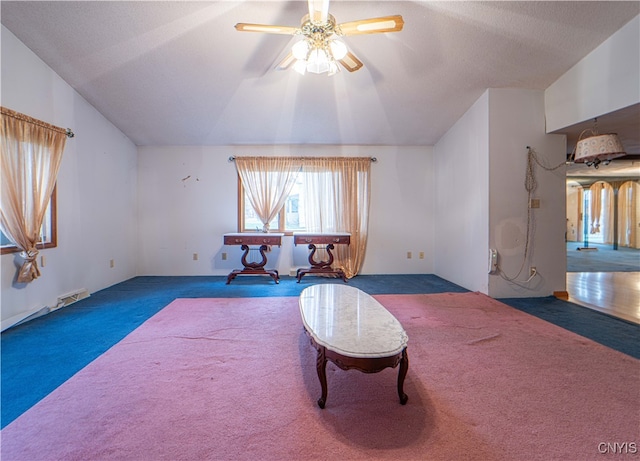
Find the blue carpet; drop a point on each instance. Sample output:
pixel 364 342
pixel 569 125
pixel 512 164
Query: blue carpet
pixel 40 355
pixel 610 331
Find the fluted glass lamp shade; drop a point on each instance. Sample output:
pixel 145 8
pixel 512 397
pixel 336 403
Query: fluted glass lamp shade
pixel 599 149
pixel 318 56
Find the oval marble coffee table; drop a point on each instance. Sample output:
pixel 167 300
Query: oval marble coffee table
pixel 354 331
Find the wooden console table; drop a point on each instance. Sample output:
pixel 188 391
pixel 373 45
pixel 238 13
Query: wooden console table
pixel 247 239
pixel 321 267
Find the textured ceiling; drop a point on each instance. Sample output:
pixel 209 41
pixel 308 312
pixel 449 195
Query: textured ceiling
pixel 178 73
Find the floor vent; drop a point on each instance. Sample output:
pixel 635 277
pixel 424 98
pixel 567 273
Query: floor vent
pixel 71 298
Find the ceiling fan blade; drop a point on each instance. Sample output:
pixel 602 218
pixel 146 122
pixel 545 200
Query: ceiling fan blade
pixel 286 62
pixel 350 62
pixel 318 10
pixel 372 26
pixel 269 29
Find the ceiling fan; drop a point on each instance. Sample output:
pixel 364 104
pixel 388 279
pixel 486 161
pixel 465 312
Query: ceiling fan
pixel 320 49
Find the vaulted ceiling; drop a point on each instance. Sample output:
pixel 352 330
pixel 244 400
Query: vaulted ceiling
pixel 178 73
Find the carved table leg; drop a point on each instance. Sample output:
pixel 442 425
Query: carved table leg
pixel 404 367
pixel 254 268
pixel 320 266
pixel 322 375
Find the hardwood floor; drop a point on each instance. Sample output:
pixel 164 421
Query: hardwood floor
pixel 614 293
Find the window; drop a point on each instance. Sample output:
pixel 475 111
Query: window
pixel 290 218
pixel 314 194
pixel 48 232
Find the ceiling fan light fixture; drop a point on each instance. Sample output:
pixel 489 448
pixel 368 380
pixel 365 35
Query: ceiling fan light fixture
pixel 319 51
pixel 338 49
pixel 318 61
pixel 300 50
pixel 333 69
pixel 300 67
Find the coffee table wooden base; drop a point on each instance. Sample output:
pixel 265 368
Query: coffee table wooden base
pixel 363 364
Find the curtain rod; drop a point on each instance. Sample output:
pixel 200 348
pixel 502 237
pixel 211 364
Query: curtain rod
pixel 373 159
pixel 34 121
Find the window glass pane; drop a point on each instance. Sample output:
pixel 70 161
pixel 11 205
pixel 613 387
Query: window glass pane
pixel 294 207
pixel 4 240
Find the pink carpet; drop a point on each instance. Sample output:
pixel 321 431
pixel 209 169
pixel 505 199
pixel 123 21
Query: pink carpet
pixel 235 379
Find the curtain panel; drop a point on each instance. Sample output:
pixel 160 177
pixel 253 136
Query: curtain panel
pixel 627 214
pixel 339 190
pixel 31 152
pixel 268 182
pixel 607 214
pixel 596 206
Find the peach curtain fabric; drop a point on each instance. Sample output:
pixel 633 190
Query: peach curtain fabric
pixel 340 189
pixel 627 214
pixel 596 207
pixel 268 182
pixel 607 214
pixel 31 155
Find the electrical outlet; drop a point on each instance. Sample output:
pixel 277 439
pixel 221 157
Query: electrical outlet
pixel 224 256
pixel 195 256
pixel 421 256
pixel 112 263
pixel 408 255
pixel 534 203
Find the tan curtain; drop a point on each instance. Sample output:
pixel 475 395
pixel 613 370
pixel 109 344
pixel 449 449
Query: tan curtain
pixel 338 191
pixel 31 156
pixel 596 207
pixel 635 218
pixel 581 211
pixel 627 197
pixel 267 182
pixel 606 226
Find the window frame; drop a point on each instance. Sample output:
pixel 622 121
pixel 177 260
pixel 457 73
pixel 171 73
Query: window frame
pixel 53 219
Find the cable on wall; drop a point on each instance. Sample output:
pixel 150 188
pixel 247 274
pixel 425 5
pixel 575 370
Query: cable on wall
pixel 530 185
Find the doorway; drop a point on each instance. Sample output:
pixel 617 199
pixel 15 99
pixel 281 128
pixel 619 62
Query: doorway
pixel 603 245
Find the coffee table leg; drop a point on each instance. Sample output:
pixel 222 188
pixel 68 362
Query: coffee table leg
pixel 404 367
pixel 322 375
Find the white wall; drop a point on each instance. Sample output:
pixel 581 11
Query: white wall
pixel 179 217
pixel 96 190
pixel 516 120
pixel 462 199
pixel 481 201
pixel 604 81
